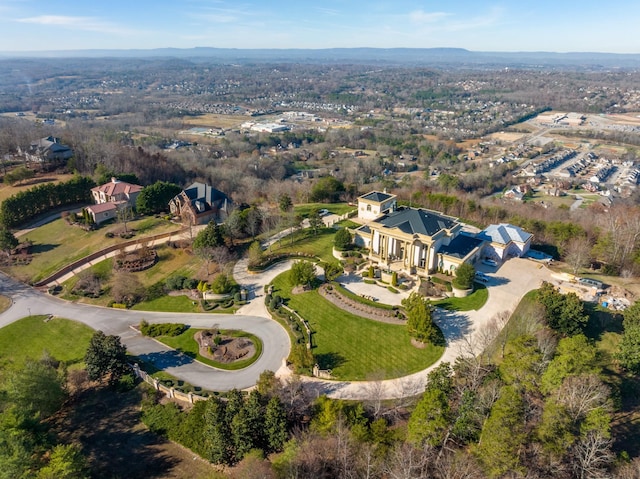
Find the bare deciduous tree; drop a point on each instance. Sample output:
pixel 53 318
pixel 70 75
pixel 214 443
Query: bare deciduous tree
pixel 592 455
pixel 581 394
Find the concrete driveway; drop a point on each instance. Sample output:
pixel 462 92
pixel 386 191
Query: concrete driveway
pixel 506 287
pixel 27 300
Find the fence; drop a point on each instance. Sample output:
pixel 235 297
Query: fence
pixel 167 391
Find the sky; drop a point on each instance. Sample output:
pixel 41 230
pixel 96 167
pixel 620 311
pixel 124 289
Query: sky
pixel 514 25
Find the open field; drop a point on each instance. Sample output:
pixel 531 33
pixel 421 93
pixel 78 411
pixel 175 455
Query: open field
pixel 57 244
pixel 7 190
pixel 63 339
pixel 213 120
pixel 509 136
pixel 355 348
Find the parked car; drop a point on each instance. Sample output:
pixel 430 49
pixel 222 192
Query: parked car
pixel 323 212
pixel 480 276
pixel 490 262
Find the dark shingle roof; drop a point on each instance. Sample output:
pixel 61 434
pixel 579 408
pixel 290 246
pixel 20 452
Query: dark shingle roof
pixel 376 196
pixel 460 246
pixel 417 221
pixel 209 196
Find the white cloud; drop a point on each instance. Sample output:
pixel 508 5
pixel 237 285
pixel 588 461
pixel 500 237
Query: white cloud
pixel 420 16
pixel 74 23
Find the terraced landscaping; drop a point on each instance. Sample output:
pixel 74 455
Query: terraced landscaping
pixel 355 348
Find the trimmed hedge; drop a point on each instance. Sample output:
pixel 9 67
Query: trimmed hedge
pixel 162 329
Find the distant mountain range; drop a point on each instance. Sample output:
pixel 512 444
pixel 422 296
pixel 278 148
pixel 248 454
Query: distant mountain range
pixel 389 56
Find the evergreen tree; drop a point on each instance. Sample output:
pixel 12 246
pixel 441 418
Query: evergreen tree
pixel 106 357
pixel 210 237
pixel 275 425
pixel 419 323
pixel 430 419
pixel 7 240
pixel 65 462
pixel 217 435
pixel 155 198
pixel 503 434
pixel 342 239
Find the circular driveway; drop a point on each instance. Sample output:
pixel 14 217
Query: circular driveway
pixel 506 287
pixel 27 300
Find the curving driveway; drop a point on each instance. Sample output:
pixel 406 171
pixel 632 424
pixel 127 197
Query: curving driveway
pixel 27 300
pixel 506 287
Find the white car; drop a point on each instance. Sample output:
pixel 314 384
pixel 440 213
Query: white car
pixel 323 212
pixel 490 262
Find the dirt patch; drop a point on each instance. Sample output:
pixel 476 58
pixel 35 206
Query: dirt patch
pixel 223 348
pixel 299 290
pixel 506 136
pixel 107 426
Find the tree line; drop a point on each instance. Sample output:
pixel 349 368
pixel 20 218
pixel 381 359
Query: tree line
pixel 26 205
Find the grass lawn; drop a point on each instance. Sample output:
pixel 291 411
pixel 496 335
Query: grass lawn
pixel 355 348
pixel 57 244
pixel 7 190
pixel 187 345
pixel 170 261
pixel 474 301
pixel 64 339
pixel 305 209
pixel 305 241
pixel 170 304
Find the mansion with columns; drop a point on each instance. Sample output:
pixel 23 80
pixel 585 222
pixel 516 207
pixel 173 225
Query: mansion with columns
pixel 414 240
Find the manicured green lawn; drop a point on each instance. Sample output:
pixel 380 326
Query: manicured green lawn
pixel 305 241
pixel 474 301
pixel 64 339
pixel 187 345
pixel 305 209
pixel 355 348
pixel 170 304
pixel 57 244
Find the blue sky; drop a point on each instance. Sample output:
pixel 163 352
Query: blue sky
pixel 514 25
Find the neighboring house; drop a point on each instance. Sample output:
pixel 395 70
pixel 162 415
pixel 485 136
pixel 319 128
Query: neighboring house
pixel 116 191
pixel 48 149
pixel 513 194
pixel 418 241
pixel 504 241
pixel 103 212
pixel 199 204
pixel 374 204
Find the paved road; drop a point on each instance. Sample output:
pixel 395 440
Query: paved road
pixel 114 321
pixel 506 288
